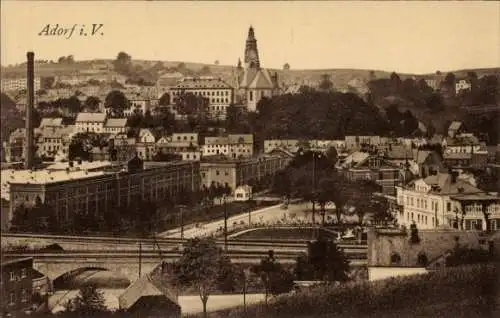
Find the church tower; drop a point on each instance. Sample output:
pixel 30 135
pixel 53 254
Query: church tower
pixel 251 51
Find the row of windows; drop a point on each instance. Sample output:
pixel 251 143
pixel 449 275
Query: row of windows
pixel 225 146
pixel 421 203
pixel 421 219
pixel 13 275
pixel 206 93
pixel 217 151
pixel 24 297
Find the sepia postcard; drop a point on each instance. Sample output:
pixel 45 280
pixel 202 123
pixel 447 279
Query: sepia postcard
pixel 250 159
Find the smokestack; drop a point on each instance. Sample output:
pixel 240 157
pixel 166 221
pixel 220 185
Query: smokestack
pixel 30 83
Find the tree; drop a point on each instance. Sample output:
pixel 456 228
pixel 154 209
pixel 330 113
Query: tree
pixel 286 66
pixel 74 105
pixel 92 103
pixel 379 208
pixel 324 261
pixel 325 84
pixel 273 276
pixel 282 184
pixel 332 155
pixel 164 99
pixel 117 102
pixel 123 63
pixel 205 70
pixel 361 197
pixel 340 196
pixel 90 301
pixel 200 266
pixel 414 238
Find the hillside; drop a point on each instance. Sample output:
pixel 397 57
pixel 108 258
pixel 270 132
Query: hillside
pixel 339 77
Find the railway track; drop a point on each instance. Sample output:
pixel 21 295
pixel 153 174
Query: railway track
pixel 62 239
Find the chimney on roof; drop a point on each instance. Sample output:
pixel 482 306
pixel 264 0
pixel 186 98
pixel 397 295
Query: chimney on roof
pixel 30 83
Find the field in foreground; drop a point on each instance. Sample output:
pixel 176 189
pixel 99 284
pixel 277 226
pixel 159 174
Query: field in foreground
pixel 467 292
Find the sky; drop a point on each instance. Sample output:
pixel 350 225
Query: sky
pixel 406 37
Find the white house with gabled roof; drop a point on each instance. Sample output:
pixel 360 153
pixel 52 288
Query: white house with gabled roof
pixel 90 122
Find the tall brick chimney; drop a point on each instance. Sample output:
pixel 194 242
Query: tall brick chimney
pixel 30 83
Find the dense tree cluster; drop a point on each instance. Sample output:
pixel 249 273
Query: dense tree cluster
pixel 436 107
pixel 317 115
pixel 312 177
pixel 71 105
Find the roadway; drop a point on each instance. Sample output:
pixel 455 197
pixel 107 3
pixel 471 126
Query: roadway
pixel 269 215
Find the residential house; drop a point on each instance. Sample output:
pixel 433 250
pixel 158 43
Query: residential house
pixel 470 211
pixel 456 128
pixel 146 144
pixel 14 147
pixel 115 126
pixel 288 144
pixel 17 285
pixel 356 142
pixel 398 154
pixel 243 193
pixel 233 146
pixel 379 170
pixel 90 122
pixel 351 160
pixel 54 140
pixel 427 162
pixel 140 103
pixel 464 143
pixel 183 144
pixel 427 201
pixel 151 296
pixel 462 85
pixel 52 122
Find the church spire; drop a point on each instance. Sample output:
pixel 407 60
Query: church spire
pixel 251 51
pixel 251 34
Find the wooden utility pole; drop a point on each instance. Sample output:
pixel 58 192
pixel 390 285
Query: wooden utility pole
pixel 140 258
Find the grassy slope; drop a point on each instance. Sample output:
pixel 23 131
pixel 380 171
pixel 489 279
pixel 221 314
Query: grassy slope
pixel 455 292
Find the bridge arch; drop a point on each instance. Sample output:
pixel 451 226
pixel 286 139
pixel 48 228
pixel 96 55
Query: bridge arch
pixel 75 278
pixel 63 269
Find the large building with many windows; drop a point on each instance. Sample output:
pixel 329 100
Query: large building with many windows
pixel 439 200
pixel 234 146
pixel 95 192
pixel 218 93
pixel 18 83
pixel 235 173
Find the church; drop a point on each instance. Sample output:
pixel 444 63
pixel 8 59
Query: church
pixel 252 81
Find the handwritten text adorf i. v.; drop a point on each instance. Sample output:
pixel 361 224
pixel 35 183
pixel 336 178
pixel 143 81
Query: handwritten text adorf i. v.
pixel 67 32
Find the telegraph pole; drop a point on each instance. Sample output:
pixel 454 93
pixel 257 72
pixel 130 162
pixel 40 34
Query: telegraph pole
pixel 225 223
pixel 140 258
pixel 182 222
